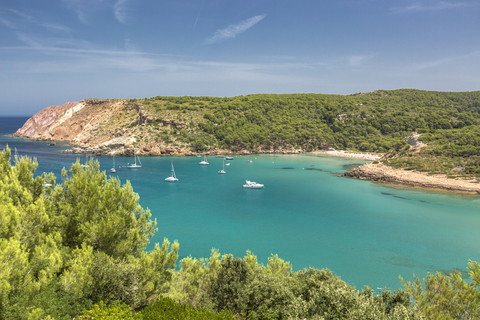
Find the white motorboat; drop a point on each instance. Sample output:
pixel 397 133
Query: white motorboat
pixel 204 161
pixel 135 165
pixel 252 185
pixel 172 177
pixel 229 158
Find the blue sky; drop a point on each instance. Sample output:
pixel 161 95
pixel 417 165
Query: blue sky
pixel 55 51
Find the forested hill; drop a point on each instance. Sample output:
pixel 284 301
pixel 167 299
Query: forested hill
pixel 379 121
pixel 375 122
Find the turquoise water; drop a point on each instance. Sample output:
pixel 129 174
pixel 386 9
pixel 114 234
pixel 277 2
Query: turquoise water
pixel 367 233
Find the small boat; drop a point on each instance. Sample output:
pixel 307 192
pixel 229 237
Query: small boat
pixel 250 161
pixel 204 161
pixel 228 158
pixel 172 177
pixel 222 171
pixel 16 157
pixel 135 165
pixel 112 169
pixel 227 164
pixel 252 185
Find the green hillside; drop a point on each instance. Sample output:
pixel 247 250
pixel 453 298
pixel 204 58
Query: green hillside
pixel 370 122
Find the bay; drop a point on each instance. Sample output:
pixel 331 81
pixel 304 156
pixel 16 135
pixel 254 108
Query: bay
pixel 367 233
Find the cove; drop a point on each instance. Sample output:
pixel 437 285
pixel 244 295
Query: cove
pixel 366 233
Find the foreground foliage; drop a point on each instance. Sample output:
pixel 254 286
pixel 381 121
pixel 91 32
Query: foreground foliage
pixel 74 243
pixel 76 249
pixel 447 296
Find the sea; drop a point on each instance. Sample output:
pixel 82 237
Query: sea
pixel 307 213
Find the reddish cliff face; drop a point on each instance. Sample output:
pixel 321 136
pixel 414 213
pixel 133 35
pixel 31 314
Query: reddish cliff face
pixel 74 122
pixel 92 125
pixel 37 127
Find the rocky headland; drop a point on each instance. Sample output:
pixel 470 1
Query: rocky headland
pixel 382 173
pixel 119 127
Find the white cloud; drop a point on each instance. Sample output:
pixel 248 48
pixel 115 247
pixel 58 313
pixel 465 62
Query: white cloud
pixel 17 20
pixel 10 18
pixel 82 8
pixel 358 60
pixel 426 7
pixel 120 11
pixel 20 14
pixel 55 27
pixel 234 29
pixel 7 23
pixel 77 60
pixel 444 61
pixel 31 42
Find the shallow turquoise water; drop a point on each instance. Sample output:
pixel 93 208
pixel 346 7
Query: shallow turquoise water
pixel 367 233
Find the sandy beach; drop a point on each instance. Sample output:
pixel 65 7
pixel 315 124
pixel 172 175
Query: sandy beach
pixel 346 154
pixel 383 173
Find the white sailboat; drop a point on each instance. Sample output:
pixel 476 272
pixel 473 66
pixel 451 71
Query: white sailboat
pixel 172 177
pixel 16 157
pixel 112 169
pixel 223 169
pixel 204 161
pixel 135 165
pixel 86 161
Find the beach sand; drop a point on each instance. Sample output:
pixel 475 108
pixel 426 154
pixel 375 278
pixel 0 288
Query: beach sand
pixel 383 173
pixel 346 154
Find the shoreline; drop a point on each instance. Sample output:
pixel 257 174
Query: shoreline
pixel 347 154
pixel 377 172
pixel 123 149
pixel 385 174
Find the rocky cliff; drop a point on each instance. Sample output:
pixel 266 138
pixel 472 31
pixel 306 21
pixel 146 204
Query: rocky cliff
pixel 124 127
pixel 107 127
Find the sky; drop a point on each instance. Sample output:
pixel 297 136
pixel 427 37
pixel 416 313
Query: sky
pixel 56 51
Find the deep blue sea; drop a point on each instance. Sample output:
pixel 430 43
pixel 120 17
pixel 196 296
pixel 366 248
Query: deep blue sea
pixel 367 233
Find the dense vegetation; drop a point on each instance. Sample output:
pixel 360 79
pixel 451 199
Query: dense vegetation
pixel 455 152
pixel 76 249
pixel 372 122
